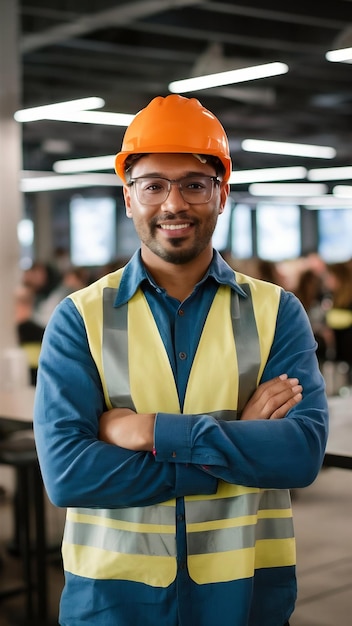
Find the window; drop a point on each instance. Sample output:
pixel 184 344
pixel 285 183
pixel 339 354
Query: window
pixel 221 232
pixel 335 234
pixel 241 232
pixel 278 232
pixel 92 231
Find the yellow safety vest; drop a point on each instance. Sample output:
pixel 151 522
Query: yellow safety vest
pixel 230 533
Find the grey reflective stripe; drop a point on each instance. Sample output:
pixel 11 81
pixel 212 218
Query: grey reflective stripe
pixel 238 537
pixel 117 540
pixel 227 415
pixel 275 528
pixel 247 345
pixel 156 514
pixel 222 508
pixel 275 499
pixel 115 351
pixel 223 540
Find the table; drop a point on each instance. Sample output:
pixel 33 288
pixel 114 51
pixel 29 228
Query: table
pixel 339 447
pixel 17 404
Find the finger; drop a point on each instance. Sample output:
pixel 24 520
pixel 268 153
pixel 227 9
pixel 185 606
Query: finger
pixel 281 398
pixel 283 409
pixel 275 396
pixel 274 386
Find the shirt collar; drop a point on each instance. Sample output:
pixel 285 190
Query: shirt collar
pixel 135 273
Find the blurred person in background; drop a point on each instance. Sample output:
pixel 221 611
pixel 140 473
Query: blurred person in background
pixel 42 278
pixel 311 292
pixel 72 279
pixel 339 317
pixel 29 332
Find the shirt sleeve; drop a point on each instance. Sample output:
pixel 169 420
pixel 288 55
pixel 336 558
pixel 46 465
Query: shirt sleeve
pixel 285 453
pixel 78 469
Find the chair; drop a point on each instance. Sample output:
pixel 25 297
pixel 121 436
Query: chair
pixel 29 520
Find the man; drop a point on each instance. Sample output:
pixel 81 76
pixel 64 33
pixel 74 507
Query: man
pixel 177 402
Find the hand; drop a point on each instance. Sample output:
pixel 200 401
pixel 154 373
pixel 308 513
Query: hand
pixel 272 400
pixel 127 429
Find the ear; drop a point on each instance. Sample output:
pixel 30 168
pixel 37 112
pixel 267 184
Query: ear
pixel 127 197
pixel 224 193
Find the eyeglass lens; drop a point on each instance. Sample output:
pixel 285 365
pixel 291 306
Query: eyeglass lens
pixel 194 189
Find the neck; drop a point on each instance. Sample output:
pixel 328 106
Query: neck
pixel 178 280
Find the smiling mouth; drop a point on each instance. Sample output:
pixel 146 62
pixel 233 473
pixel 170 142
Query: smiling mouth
pixel 174 226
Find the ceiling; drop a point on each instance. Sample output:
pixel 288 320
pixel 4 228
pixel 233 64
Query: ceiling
pixel 127 52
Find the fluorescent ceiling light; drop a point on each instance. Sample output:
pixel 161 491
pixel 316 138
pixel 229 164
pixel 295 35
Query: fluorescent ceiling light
pixel 89 164
pixel 293 149
pixel 287 189
pixel 343 55
pixel 270 173
pixel 326 202
pixel 50 183
pixel 93 117
pixel 42 112
pixel 228 78
pixel 342 191
pixel 330 173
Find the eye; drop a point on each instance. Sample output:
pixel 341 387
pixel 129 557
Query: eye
pixel 195 184
pixel 152 185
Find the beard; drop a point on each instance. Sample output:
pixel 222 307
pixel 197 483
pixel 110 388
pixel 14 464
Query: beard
pixel 179 250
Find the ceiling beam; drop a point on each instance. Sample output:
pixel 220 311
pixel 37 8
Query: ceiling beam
pixel 122 15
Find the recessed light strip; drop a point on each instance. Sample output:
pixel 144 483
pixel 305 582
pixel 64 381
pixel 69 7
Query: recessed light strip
pixel 292 149
pixel 267 174
pixel 42 112
pixel 50 183
pixel 342 191
pixel 289 189
pixel 326 202
pixel 342 55
pixel 228 78
pixel 93 117
pixel 87 164
pixel 330 173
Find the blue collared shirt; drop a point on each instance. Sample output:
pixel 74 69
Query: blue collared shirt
pixel 180 324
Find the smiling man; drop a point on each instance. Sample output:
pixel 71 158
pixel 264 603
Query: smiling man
pixel 177 403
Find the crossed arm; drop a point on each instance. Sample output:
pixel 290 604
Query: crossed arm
pixel 135 431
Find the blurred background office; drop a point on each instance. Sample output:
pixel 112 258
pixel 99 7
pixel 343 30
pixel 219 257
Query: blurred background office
pixel 283 95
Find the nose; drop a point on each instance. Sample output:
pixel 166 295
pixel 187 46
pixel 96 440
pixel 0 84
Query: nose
pixel 175 201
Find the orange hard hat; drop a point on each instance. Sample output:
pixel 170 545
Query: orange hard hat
pixel 174 124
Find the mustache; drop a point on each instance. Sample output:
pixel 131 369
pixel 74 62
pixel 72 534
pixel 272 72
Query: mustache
pixel 169 217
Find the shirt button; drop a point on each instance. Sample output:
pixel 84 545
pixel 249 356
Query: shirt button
pixel 181 312
pixel 182 355
pixel 173 454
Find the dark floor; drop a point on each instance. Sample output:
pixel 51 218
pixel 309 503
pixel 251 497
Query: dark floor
pixel 323 514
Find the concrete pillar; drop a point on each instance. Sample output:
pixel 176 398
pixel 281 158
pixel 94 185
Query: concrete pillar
pixel 10 166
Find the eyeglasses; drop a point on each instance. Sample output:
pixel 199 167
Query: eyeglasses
pixel 195 189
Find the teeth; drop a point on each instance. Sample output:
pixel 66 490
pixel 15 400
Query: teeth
pixel 173 226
